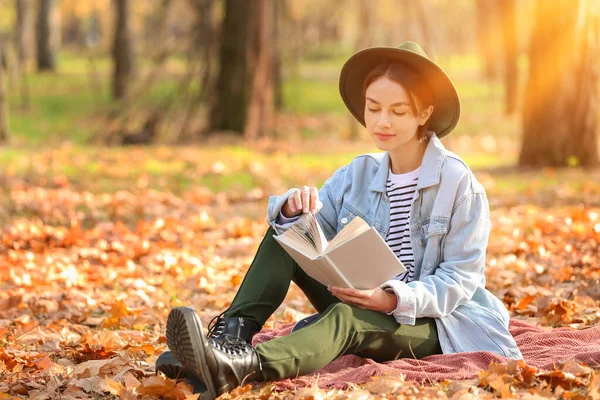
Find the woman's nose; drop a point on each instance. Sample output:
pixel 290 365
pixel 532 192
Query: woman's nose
pixel 383 122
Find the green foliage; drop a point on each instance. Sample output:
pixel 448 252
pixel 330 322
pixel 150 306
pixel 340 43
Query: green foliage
pixel 109 170
pixel 573 161
pixel 304 96
pixel 65 105
pixel 327 51
pixel 7 15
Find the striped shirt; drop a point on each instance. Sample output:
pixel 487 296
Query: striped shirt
pixel 401 190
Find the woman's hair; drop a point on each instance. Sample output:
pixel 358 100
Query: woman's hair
pixel 419 92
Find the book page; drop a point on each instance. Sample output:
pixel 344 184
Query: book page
pixel 353 229
pixel 299 243
pixel 366 260
pixel 323 244
pixel 338 278
pixel 318 269
pixel 307 228
pixel 300 234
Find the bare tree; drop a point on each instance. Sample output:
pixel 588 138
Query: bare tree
pixel 560 116
pixel 46 42
pixel 201 59
pixel 122 50
pixel 278 15
pixel 23 41
pixel 509 36
pixel 426 27
pixel 4 132
pixel 366 23
pixel 230 99
pixel 23 29
pixel 488 35
pixel 364 39
pixel 204 43
pixel 261 105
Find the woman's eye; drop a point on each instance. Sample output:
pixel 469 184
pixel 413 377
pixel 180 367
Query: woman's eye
pixel 372 109
pixel 399 113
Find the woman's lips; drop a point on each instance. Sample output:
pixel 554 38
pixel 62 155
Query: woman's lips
pixel 381 136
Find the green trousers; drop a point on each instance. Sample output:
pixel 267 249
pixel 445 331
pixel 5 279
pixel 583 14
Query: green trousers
pixel 340 329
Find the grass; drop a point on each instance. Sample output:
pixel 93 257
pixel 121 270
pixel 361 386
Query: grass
pixel 236 169
pixel 304 96
pixel 65 104
pixel 101 170
pixel 50 138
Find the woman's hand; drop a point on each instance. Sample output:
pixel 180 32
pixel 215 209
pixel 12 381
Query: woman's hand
pixel 374 299
pixel 302 200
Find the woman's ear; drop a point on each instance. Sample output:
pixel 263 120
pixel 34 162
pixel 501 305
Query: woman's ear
pixel 425 114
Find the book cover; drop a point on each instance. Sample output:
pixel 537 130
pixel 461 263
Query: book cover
pixel 356 257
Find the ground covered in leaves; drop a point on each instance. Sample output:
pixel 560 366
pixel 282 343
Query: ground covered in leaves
pixel 87 280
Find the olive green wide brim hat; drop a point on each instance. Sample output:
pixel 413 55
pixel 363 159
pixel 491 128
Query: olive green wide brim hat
pixel 446 103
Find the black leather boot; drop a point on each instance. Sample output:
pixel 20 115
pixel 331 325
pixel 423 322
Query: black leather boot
pixel 236 327
pixel 221 364
pixel 219 328
pixel 168 365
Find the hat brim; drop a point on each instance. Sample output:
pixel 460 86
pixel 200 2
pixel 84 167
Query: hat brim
pixel 446 111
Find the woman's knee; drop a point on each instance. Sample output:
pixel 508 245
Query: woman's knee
pixel 340 309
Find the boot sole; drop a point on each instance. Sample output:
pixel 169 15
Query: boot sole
pixel 186 340
pixel 171 371
pixel 168 365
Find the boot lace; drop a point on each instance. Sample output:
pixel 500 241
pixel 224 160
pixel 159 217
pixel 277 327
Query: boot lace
pixel 216 326
pixel 236 348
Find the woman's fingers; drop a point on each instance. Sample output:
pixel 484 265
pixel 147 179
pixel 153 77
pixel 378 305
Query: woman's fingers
pixel 348 292
pixel 297 200
pixel 351 300
pixel 359 298
pixel 319 206
pixel 305 199
pixel 305 194
pixel 314 198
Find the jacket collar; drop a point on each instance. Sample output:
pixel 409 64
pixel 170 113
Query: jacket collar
pixel 431 166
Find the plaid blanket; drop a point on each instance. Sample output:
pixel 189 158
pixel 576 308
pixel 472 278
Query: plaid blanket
pixel 541 347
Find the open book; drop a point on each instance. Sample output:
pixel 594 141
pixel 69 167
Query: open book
pixel 357 257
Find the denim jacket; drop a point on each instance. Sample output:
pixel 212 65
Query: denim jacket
pixel 449 230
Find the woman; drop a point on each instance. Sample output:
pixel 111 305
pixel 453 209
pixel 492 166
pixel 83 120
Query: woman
pixel 421 198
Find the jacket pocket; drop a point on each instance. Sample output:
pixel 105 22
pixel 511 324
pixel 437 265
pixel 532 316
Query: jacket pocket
pixel 433 233
pixel 346 215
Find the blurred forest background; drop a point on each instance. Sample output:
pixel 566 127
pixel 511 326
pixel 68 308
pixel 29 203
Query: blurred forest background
pixel 261 75
pixel 119 72
pixel 140 141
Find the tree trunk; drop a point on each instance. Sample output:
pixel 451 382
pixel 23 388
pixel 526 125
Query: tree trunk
pixel 366 19
pixel 23 30
pixel 201 59
pixel 122 50
pixel 46 41
pixel 4 132
pixel 24 40
pixel 204 43
pixel 488 35
pixel 509 36
pixel 261 105
pixel 426 27
pixel 229 107
pixel 278 15
pixel 561 99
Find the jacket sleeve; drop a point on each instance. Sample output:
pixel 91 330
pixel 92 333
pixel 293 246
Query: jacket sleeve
pixel 459 274
pixel 274 209
pixel 327 216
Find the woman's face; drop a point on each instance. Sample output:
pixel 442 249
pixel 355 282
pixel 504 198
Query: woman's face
pixel 388 114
